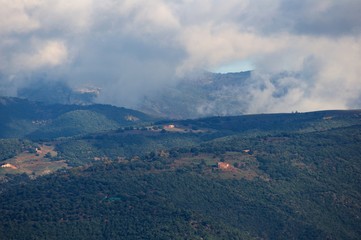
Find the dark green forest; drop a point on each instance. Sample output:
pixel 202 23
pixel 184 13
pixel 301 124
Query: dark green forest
pixel 277 176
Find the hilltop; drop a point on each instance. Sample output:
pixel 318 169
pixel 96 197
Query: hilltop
pixel 28 119
pixel 268 176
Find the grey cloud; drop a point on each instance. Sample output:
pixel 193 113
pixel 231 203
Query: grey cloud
pixel 132 48
pixel 124 67
pixel 333 18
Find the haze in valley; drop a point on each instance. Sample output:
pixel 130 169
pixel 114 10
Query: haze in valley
pixel 304 55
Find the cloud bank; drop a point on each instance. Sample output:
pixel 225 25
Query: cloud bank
pixel 129 48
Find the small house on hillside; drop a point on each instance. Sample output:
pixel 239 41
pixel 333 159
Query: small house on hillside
pixel 170 126
pixel 223 165
pixel 8 165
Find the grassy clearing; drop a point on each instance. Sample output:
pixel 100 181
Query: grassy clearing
pixel 239 165
pixel 35 164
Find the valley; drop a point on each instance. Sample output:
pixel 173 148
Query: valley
pixel 180 120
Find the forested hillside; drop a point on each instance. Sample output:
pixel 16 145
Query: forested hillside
pixel 22 118
pixel 278 176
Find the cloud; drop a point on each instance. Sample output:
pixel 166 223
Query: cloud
pixel 211 46
pixel 132 47
pixel 324 17
pixel 15 17
pixel 44 54
pixel 148 16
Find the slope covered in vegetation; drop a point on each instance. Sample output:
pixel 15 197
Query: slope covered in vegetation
pixel 288 176
pixel 22 118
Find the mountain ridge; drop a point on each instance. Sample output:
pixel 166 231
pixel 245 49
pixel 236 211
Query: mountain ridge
pixel 267 176
pixel 21 117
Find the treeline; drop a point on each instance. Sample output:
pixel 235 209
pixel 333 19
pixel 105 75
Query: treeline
pixel 132 185
pixel 11 147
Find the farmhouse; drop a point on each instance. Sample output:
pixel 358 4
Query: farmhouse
pixel 223 165
pixel 8 165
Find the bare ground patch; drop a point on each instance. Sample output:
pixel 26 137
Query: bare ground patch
pixel 34 164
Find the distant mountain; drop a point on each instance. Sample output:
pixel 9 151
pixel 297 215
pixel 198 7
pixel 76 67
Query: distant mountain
pixel 24 118
pixel 57 92
pixel 208 94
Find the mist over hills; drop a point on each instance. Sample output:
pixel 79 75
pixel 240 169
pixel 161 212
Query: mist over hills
pixel 53 92
pixel 182 152
pixel 201 95
pixel 208 94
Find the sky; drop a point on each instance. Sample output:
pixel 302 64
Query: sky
pixel 129 48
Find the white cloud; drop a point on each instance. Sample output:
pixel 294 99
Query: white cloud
pixel 210 46
pixel 65 17
pixel 44 54
pixel 148 16
pixel 15 16
pixel 132 43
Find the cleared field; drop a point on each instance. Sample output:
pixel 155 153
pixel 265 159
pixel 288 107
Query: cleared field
pixel 236 165
pixel 34 164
